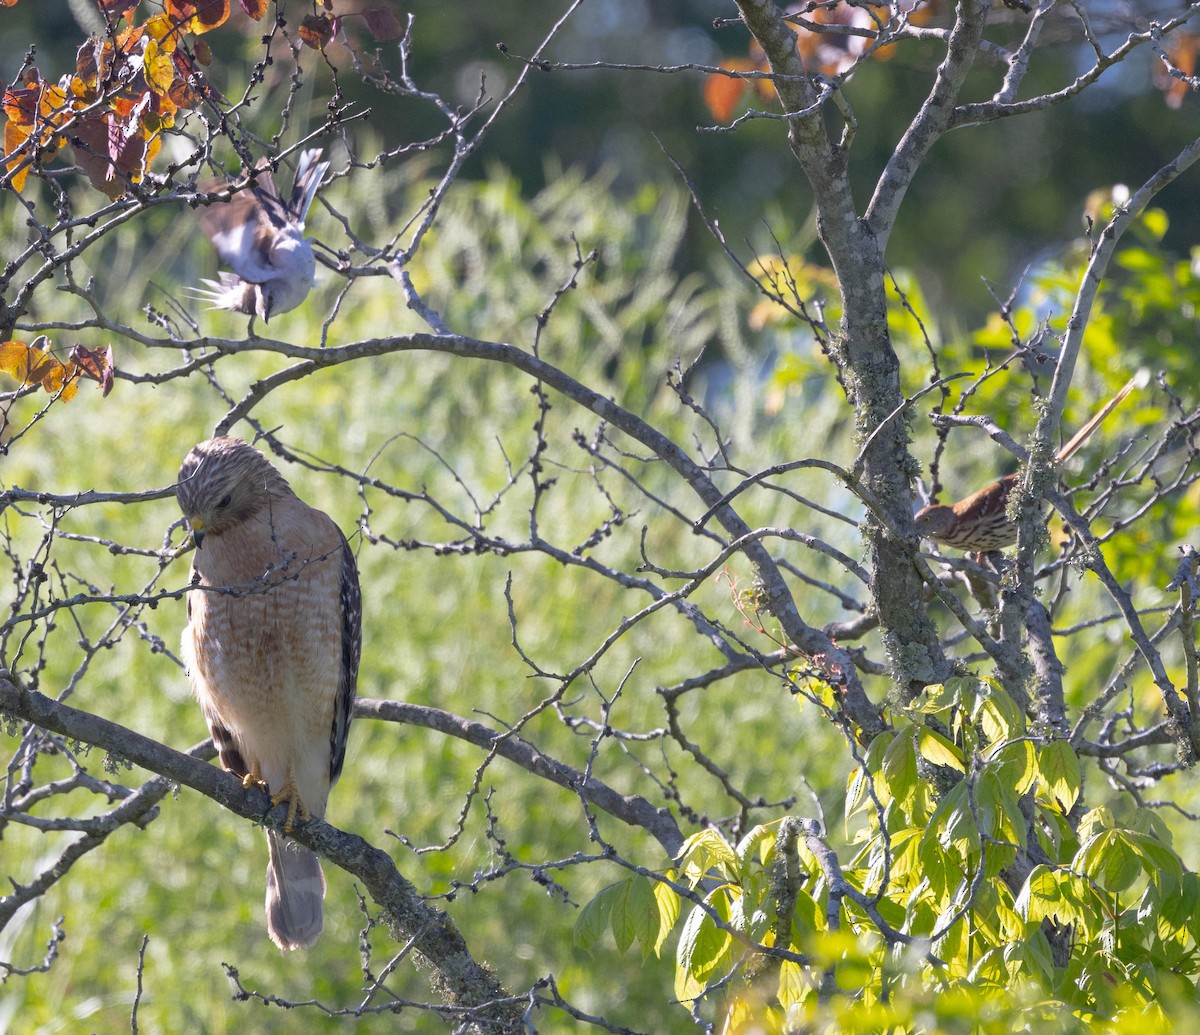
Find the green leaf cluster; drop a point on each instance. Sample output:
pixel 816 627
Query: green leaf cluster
pixel 1103 928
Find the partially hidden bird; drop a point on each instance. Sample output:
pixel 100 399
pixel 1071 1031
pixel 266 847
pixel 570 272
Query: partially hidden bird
pixel 979 523
pixel 272 647
pixel 261 237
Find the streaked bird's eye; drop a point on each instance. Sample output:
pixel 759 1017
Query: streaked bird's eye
pixel 225 500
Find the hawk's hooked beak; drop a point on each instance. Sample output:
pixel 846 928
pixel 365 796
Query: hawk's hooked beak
pixel 197 526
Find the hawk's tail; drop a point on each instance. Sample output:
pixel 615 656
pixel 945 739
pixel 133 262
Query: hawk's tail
pixel 295 893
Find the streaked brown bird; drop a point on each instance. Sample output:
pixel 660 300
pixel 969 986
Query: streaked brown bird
pixel 979 523
pixel 272 647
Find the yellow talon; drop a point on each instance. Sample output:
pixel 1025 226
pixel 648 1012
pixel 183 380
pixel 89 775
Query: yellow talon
pixel 290 793
pixel 254 778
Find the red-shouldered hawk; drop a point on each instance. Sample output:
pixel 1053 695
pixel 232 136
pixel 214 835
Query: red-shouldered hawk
pixel 272 647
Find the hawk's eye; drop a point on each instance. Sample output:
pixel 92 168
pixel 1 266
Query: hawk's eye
pixel 225 500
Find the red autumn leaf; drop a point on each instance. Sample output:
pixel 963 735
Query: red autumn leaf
pixel 96 364
pixel 112 150
pixel 198 15
pixel 210 14
pixel 382 24
pixel 255 8
pixel 316 30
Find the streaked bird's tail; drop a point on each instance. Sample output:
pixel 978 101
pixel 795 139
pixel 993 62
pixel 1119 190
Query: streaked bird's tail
pixel 310 170
pixel 295 893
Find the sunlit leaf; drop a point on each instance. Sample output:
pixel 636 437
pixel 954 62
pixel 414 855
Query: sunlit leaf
pixel 1060 769
pixel 794 984
pixel 158 67
pixel 900 767
pixel 1015 764
pixel 255 8
pixel 316 30
pixel 198 15
pixel 1111 858
pixel 16 358
pixel 705 850
pixel 938 750
pixel 14 136
pixel 757 843
pixel 163 31
pixel 997 713
pixel 667 902
pixel 952 823
pixel 703 945
pixel 1052 895
pixel 32 364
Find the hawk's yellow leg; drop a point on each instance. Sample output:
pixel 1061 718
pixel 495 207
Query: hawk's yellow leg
pixel 290 793
pixel 254 778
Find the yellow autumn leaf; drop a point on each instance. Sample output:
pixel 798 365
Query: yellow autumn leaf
pixel 163 31
pixel 157 67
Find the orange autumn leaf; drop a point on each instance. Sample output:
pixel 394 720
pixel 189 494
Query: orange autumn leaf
pixel 61 379
pixel 21 102
pixel 1181 52
pixel 14 136
pixel 35 112
pixel 255 8
pixel 723 93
